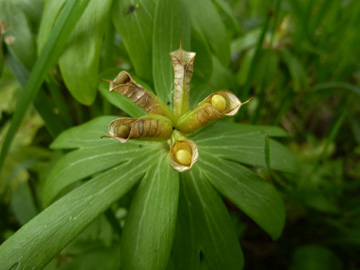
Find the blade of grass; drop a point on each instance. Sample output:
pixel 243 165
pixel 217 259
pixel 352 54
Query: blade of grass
pixel 63 27
pixel 255 60
pixel 53 122
pixel 332 135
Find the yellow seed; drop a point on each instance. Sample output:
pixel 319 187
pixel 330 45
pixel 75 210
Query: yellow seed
pixel 219 102
pixel 184 157
pixel 123 131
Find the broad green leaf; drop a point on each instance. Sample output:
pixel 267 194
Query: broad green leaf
pixel 315 257
pixel 186 248
pixel 203 64
pixel 244 147
pixel 60 32
pixel 86 162
pixel 134 22
pixel 206 18
pixel 51 12
pixel 18 33
pixel 33 10
pixel 229 12
pixel 84 136
pixel 253 195
pixel 48 233
pixel 79 62
pixel 171 26
pixel 22 203
pixel 208 223
pixel 95 155
pixel 150 225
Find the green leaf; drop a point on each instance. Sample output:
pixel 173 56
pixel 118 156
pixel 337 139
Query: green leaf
pixel 18 33
pixel 79 62
pixel 134 22
pixel 60 32
pixel 254 196
pixel 22 203
pixel 315 257
pixel 244 145
pixel 95 155
pixel 206 18
pixel 150 225
pixel 86 162
pixel 171 26
pixel 48 233
pixel 225 7
pixel 203 64
pixel 84 136
pixel 206 226
pixel 51 12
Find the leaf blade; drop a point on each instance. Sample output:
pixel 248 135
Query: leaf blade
pixel 171 26
pixel 152 229
pixel 50 231
pixel 216 236
pixel 79 62
pixel 253 195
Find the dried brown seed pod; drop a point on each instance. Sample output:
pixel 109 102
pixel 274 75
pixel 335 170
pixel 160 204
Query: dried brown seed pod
pixel 218 105
pixel 183 155
pixel 151 127
pixel 126 86
pixel 183 152
pixel 183 62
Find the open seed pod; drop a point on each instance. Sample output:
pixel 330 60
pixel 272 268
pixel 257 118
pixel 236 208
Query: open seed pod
pixel 218 105
pixel 150 127
pixel 183 62
pixel 183 153
pixel 126 86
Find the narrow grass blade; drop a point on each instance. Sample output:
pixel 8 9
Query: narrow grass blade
pixel 62 29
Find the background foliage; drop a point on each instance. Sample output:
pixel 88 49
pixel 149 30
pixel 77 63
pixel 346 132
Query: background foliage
pixel 299 59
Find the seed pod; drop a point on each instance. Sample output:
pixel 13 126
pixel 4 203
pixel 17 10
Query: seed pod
pixel 218 105
pixel 183 62
pixel 151 127
pixel 183 153
pixel 126 86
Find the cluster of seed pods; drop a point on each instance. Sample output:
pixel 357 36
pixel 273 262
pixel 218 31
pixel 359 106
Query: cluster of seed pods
pixel 163 124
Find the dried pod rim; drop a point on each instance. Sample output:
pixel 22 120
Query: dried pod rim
pixel 172 155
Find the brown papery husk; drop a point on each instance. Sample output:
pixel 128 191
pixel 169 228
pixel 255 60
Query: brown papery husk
pixel 150 127
pixel 205 113
pixel 185 145
pixel 126 86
